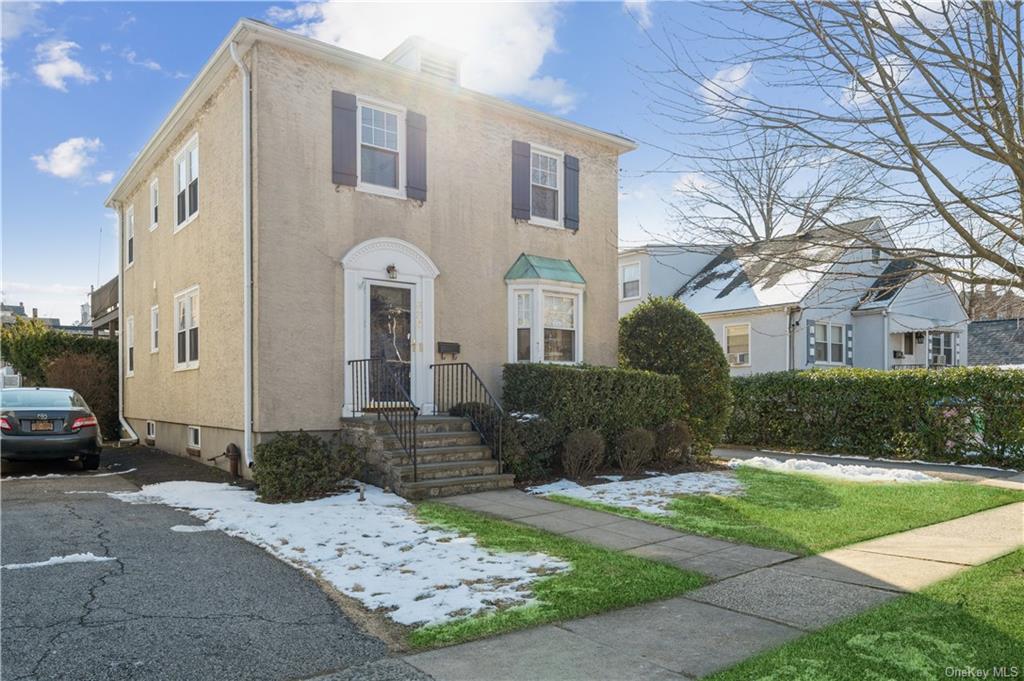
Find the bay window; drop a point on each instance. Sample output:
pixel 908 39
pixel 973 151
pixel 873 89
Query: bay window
pixel 545 324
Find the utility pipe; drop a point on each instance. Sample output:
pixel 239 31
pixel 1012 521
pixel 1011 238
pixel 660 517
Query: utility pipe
pixel 246 252
pixel 133 437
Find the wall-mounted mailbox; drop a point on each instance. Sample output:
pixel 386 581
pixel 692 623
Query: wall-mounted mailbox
pixel 445 348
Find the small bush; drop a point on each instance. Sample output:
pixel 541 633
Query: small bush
pixel 634 450
pixel 95 380
pixel 674 443
pixel 297 466
pixel 29 346
pixel 661 335
pixel 528 443
pixel 583 453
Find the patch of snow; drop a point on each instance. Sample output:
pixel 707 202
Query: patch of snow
pixel 192 528
pixel 60 560
pixel 851 472
pixel 66 475
pixel 610 478
pixel 919 462
pixel 374 551
pixel 653 495
pixel 551 487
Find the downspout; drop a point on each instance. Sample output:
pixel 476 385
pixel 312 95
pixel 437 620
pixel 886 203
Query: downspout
pixel 886 350
pixel 789 338
pixel 133 437
pixel 246 253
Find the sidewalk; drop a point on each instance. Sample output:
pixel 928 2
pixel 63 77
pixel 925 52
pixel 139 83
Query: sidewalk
pixel 719 625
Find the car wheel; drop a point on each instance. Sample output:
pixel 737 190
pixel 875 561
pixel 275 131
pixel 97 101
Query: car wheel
pixel 91 462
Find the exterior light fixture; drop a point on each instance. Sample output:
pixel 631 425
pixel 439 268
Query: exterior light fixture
pixel 392 272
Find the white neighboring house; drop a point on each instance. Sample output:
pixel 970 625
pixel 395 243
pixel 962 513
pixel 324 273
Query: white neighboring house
pixel 817 299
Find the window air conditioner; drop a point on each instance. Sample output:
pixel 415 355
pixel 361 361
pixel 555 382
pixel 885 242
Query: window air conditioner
pixel 939 360
pixel 738 358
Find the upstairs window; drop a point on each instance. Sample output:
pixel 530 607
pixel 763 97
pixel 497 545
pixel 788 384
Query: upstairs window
pixel 379 147
pixel 154 205
pixel 186 329
pixel 186 184
pixel 544 186
pixel 737 344
pixel 129 341
pixel 129 232
pixel 630 276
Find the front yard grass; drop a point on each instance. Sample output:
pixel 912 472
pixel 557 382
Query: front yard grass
pixel 807 514
pixel 972 621
pixel 599 580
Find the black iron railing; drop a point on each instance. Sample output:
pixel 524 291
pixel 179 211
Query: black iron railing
pixel 378 386
pixel 459 391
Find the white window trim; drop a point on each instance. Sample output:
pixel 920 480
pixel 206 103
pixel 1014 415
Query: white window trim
pixel 129 235
pixel 154 188
pixel 537 289
pixel 151 430
pixel 186 365
pixel 639 280
pixel 828 344
pixel 400 112
pixel 560 156
pixel 184 150
pixel 750 344
pixel 129 346
pixel 188 437
pixel 154 316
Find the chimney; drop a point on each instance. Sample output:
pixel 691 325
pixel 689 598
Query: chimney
pixel 35 312
pixel 420 55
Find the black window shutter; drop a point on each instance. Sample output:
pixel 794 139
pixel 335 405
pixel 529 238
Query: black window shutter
pixel 416 156
pixel 520 180
pixel 343 138
pixel 572 192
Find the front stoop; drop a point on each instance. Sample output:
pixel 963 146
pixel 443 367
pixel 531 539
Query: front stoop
pixel 451 460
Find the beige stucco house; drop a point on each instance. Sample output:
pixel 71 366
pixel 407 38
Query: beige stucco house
pixel 322 207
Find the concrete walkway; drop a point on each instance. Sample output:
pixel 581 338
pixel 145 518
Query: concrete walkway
pixel 755 608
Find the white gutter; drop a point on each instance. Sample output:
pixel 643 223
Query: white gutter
pixel 246 254
pixel 133 437
pixel 886 350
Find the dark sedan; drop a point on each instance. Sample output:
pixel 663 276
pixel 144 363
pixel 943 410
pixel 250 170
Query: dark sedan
pixel 46 424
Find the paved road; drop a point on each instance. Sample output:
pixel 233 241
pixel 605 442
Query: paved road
pixel 170 605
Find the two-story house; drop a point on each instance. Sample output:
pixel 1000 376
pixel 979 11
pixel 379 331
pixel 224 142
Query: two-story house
pixel 817 299
pixel 323 208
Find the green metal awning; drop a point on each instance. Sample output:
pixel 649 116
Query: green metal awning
pixel 539 267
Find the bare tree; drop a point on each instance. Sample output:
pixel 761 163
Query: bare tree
pixel 928 97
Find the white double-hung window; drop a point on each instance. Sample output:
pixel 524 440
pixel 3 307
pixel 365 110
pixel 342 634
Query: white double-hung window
pixel 737 344
pixel 186 329
pixel 629 276
pixel 545 324
pixel 154 329
pixel 829 343
pixel 186 184
pixel 129 235
pixel 129 344
pixel 154 205
pixel 380 148
pixel 545 185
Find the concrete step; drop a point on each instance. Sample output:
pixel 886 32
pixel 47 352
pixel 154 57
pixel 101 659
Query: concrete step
pixel 398 457
pixel 441 438
pixel 431 424
pixel 447 469
pixel 447 487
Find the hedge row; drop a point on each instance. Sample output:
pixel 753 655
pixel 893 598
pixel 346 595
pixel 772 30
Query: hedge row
pixel 959 414
pixel 608 400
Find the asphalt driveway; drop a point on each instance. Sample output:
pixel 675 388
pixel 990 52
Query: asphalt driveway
pixel 166 604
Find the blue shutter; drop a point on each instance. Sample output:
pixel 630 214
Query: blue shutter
pixel 416 156
pixel 343 138
pixel 810 341
pixel 572 192
pixel 520 180
pixel 849 344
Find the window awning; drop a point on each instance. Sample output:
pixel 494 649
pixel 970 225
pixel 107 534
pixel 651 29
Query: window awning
pixel 539 267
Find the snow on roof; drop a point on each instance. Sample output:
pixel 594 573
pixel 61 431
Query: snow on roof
pixel 778 271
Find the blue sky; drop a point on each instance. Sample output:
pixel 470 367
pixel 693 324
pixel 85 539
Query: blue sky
pixel 86 84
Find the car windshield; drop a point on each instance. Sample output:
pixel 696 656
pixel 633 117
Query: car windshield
pixel 39 399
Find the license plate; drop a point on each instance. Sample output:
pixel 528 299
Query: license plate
pixel 42 425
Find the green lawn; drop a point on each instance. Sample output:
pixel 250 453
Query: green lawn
pixel 974 620
pixel 807 514
pixel 599 579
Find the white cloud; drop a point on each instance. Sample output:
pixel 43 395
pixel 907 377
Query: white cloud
pixel 640 10
pixel 54 65
pixel 896 67
pixel 132 58
pixel 70 159
pixel 106 177
pixel 19 18
pixel 504 44
pixel 688 182
pixel 726 83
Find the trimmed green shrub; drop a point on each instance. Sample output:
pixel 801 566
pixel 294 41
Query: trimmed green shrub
pixel 529 443
pixel 298 466
pixel 661 335
pixel 605 399
pixel 583 453
pixel 673 443
pixel 95 380
pixel 962 414
pixel 29 345
pixel 634 449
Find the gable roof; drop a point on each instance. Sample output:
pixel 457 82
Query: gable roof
pixel 775 272
pixel 889 283
pixel 539 267
pixel 998 342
